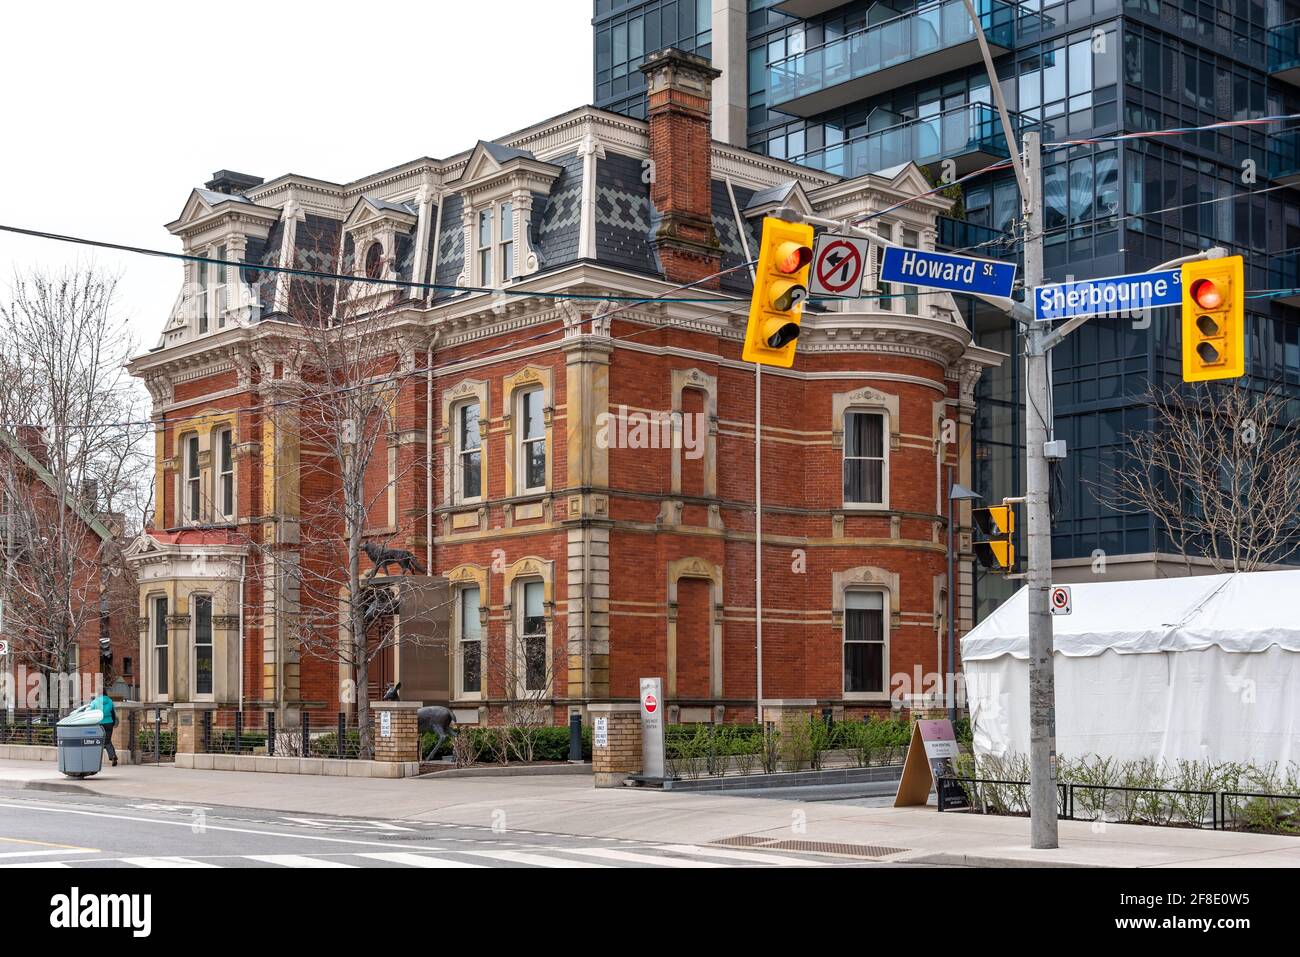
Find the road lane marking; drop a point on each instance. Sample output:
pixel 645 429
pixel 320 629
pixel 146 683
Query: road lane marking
pixel 78 850
pixel 165 862
pixel 37 864
pixel 296 860
pixel 539 860
pixel 66 847
pixel 419 860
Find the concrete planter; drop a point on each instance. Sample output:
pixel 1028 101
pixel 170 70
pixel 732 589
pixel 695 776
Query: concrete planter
pixel 318 766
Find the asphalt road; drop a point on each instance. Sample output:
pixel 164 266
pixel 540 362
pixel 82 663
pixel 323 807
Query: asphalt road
pixel 50 829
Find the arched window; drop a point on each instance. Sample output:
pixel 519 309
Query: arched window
pixel 375 261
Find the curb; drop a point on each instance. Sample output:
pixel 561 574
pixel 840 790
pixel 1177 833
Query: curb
pixel 978 860
pixel 510 772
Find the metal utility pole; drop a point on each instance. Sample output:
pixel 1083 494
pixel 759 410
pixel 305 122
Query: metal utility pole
pixel 1038 522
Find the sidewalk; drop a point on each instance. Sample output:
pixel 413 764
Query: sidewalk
pixel 568 804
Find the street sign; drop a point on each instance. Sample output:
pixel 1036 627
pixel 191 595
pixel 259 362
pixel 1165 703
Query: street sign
pixel 838 266
pixel 916 267
pixel 652 727
pixel 385 724
pixel 4 648
pixel 1115 295
pixel 601 733
pixel 1060 600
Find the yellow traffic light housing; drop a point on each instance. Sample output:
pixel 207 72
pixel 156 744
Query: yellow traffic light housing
pixel 997 524
pixel 1214 319
pixel 780 288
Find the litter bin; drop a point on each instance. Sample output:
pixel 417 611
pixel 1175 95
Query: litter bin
pixel 80 740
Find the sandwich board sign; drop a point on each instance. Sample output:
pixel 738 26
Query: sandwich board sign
pixel 839 264
pixel 931 755
pixel 652 727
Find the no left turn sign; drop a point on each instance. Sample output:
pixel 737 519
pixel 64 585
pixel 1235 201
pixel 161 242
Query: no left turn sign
pixel 1060 600
pixel 839 264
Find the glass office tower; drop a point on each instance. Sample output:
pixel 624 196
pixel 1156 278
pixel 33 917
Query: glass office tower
pixel 857 86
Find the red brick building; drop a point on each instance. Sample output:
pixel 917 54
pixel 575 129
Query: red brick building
pixel 572 444
pixel 62 614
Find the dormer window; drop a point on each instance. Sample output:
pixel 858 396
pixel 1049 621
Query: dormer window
pixel 485 276
pixel 375 261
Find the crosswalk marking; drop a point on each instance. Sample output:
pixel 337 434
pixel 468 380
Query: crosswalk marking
pixel 752 857
pixel 296 860
pixel 75 850
pixel 166 862
pixel 610 854
pixel 419 860
pixel 539 860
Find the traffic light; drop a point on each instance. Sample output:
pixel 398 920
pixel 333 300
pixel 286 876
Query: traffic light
pixel 1214 320
pixel 996 524
pixel 780 288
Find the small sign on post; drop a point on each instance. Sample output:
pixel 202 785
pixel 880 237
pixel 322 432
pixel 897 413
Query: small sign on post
pixel 919 267
pixel 652 727
pixel 838 265
pixel 385 724
pixel 4 648
pixel 931 755
pixel 600 733
pixel 1061 602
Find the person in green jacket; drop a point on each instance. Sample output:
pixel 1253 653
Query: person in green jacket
pixel 105 704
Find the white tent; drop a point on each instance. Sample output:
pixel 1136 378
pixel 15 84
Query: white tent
pixel 1204 668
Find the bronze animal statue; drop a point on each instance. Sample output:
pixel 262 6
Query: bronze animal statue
pixel 382 557
pixel 433 718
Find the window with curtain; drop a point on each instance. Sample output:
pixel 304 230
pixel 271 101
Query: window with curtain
pixel 864 642
pixel 469 643
pixel 532 637
pixel 469 452
pixel 864 458
pixel 532 441
pixel 203 644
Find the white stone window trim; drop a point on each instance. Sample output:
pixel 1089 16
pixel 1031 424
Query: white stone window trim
pixel 150 680
pixel 885 624
pixel 518 649
pixel 191 503
pixel 221 467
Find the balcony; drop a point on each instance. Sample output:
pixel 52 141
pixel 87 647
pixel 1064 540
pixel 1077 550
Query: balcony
pixel 1284 52
pixel 1282 271
pixel 971 136
pixel 923 43
pixel 806 8
pixel 1284 157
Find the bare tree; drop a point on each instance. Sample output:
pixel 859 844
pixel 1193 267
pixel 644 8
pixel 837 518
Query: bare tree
pixel 71 456
pixel 1219 471
pixel 526 676
pixel 341 362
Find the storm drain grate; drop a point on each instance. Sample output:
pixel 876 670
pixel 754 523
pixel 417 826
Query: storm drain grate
pixel 817 847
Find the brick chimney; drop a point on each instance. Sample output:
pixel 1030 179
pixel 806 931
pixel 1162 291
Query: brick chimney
pixel 679 97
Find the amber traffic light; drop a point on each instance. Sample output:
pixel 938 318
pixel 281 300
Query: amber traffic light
pixel 1214 319
pixel 996 524
pixel 780 288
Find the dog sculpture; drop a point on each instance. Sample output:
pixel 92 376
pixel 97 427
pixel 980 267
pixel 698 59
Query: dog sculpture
pixel 383 557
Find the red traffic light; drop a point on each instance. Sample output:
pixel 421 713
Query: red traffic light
pixel 1207 294
pixel 791 257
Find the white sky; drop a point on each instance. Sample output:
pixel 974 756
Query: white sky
pixel 113 112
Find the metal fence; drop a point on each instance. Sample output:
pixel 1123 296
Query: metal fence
pixel 1161 807
pixel 148 737
pixel 34 726
pixel 328 735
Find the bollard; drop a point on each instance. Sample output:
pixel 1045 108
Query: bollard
pixel 575 736
pixel 270 734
